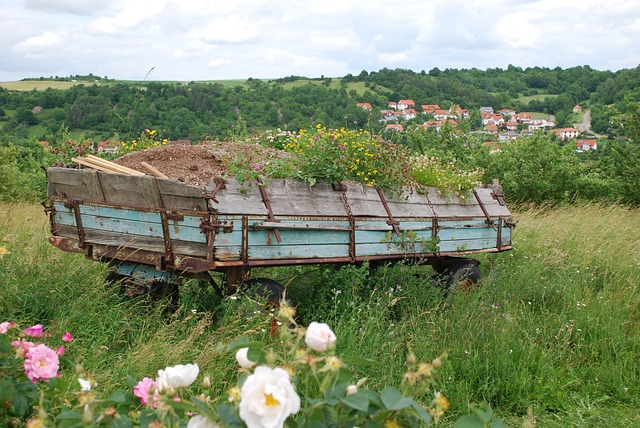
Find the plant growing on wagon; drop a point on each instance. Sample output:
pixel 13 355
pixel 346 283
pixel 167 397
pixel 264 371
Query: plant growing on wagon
pixel 446 176
pixel 348 155
pixel 147 139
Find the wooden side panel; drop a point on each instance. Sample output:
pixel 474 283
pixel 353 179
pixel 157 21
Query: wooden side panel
pixel 237 199
pixel 148 243
pixel 296 197
pixel 176 195
pixel 82 184
pixel 127 222
pixel 136 191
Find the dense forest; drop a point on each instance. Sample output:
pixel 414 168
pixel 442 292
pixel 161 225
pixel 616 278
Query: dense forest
pixel 100 108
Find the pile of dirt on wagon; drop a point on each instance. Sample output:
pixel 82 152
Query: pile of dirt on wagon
pixel 198 164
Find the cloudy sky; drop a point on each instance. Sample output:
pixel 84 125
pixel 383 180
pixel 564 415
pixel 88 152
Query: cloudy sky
pixel 212 39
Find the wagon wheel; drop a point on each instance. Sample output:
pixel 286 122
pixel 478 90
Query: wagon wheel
pixel 267 288
pixel 157 290
pixel 463 276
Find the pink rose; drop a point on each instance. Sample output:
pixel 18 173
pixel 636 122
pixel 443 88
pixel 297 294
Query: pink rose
pixel 320 337
pixel 143 391
pixel 5 326
pixel 35 331
pixel 22 347
pixel 67 337
pixel 41 363
pixel 60 350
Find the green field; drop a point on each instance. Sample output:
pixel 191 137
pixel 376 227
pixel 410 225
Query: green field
pixel 554 325
pixel 358 87
pixel 537 97
pixel 41 85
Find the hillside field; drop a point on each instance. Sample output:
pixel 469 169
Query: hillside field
pixel 553 326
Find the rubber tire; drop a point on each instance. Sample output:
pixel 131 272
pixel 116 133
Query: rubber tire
pixel 265 287
pixel 157 291
pixel 464 276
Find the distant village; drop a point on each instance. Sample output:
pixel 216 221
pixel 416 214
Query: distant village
pixel 503 125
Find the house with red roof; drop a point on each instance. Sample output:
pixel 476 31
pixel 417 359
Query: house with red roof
pixel 404 104
pixel 366 106
pixel 567 133
pixel 409 113
pixel 586 145
pixel 429 108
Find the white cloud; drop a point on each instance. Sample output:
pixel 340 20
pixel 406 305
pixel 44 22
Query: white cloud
pixel 517 30
pixel 133 14
pixel 201 39
pixel 231 29
pixel 74 7
pixel 38 44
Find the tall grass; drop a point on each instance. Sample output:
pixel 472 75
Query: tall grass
pixel 553 326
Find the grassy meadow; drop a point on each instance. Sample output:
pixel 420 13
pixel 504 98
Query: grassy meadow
pixel 555 325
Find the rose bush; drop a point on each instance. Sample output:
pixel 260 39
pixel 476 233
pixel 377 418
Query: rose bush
pixel 267 398
pixel 299 382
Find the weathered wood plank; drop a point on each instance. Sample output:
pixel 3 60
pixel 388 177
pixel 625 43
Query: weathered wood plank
pixel 139 223
pixel 292 237
pixel 237 199
pixel 82 184
pixel 135 191
pixel 93 236
pixel 283 252
pixel 179 196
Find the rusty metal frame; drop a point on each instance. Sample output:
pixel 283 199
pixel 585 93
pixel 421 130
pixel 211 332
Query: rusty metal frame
pixel 50 209
pixel 211 225
pixel 484 210
pixel 391 222
pixel 74 205
pixel 220 184
pixel 352 223
pixel 267 204
pixel 245 240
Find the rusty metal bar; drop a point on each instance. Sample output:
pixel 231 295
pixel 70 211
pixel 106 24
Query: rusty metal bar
pixel 245 240
pixel 168 253
pixel 220 184
pixel 50 209
pixel 484 210
pixel 267 204
pixel 74 205
pixel 391 222
pixel 352 223
pixel 499 238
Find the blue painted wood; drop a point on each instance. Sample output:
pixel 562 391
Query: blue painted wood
pixel 131 222
pixel 302 238
pixel 297 252
pixel 470 245
pixel 290 237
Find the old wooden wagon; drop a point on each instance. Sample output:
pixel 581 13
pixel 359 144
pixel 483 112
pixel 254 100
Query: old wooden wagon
pixel 158 231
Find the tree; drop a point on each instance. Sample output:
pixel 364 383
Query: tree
pixel 26 116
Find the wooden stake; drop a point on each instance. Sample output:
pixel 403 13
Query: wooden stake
pixel 112 165
pixel 82 161
pixel 152 170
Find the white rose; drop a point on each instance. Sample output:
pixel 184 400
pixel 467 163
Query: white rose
pixel 85 385
pixel 199 421
pixel 177 376
pixel 242 358
pixel 319 337
pixel 352 389
pixel 267 398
